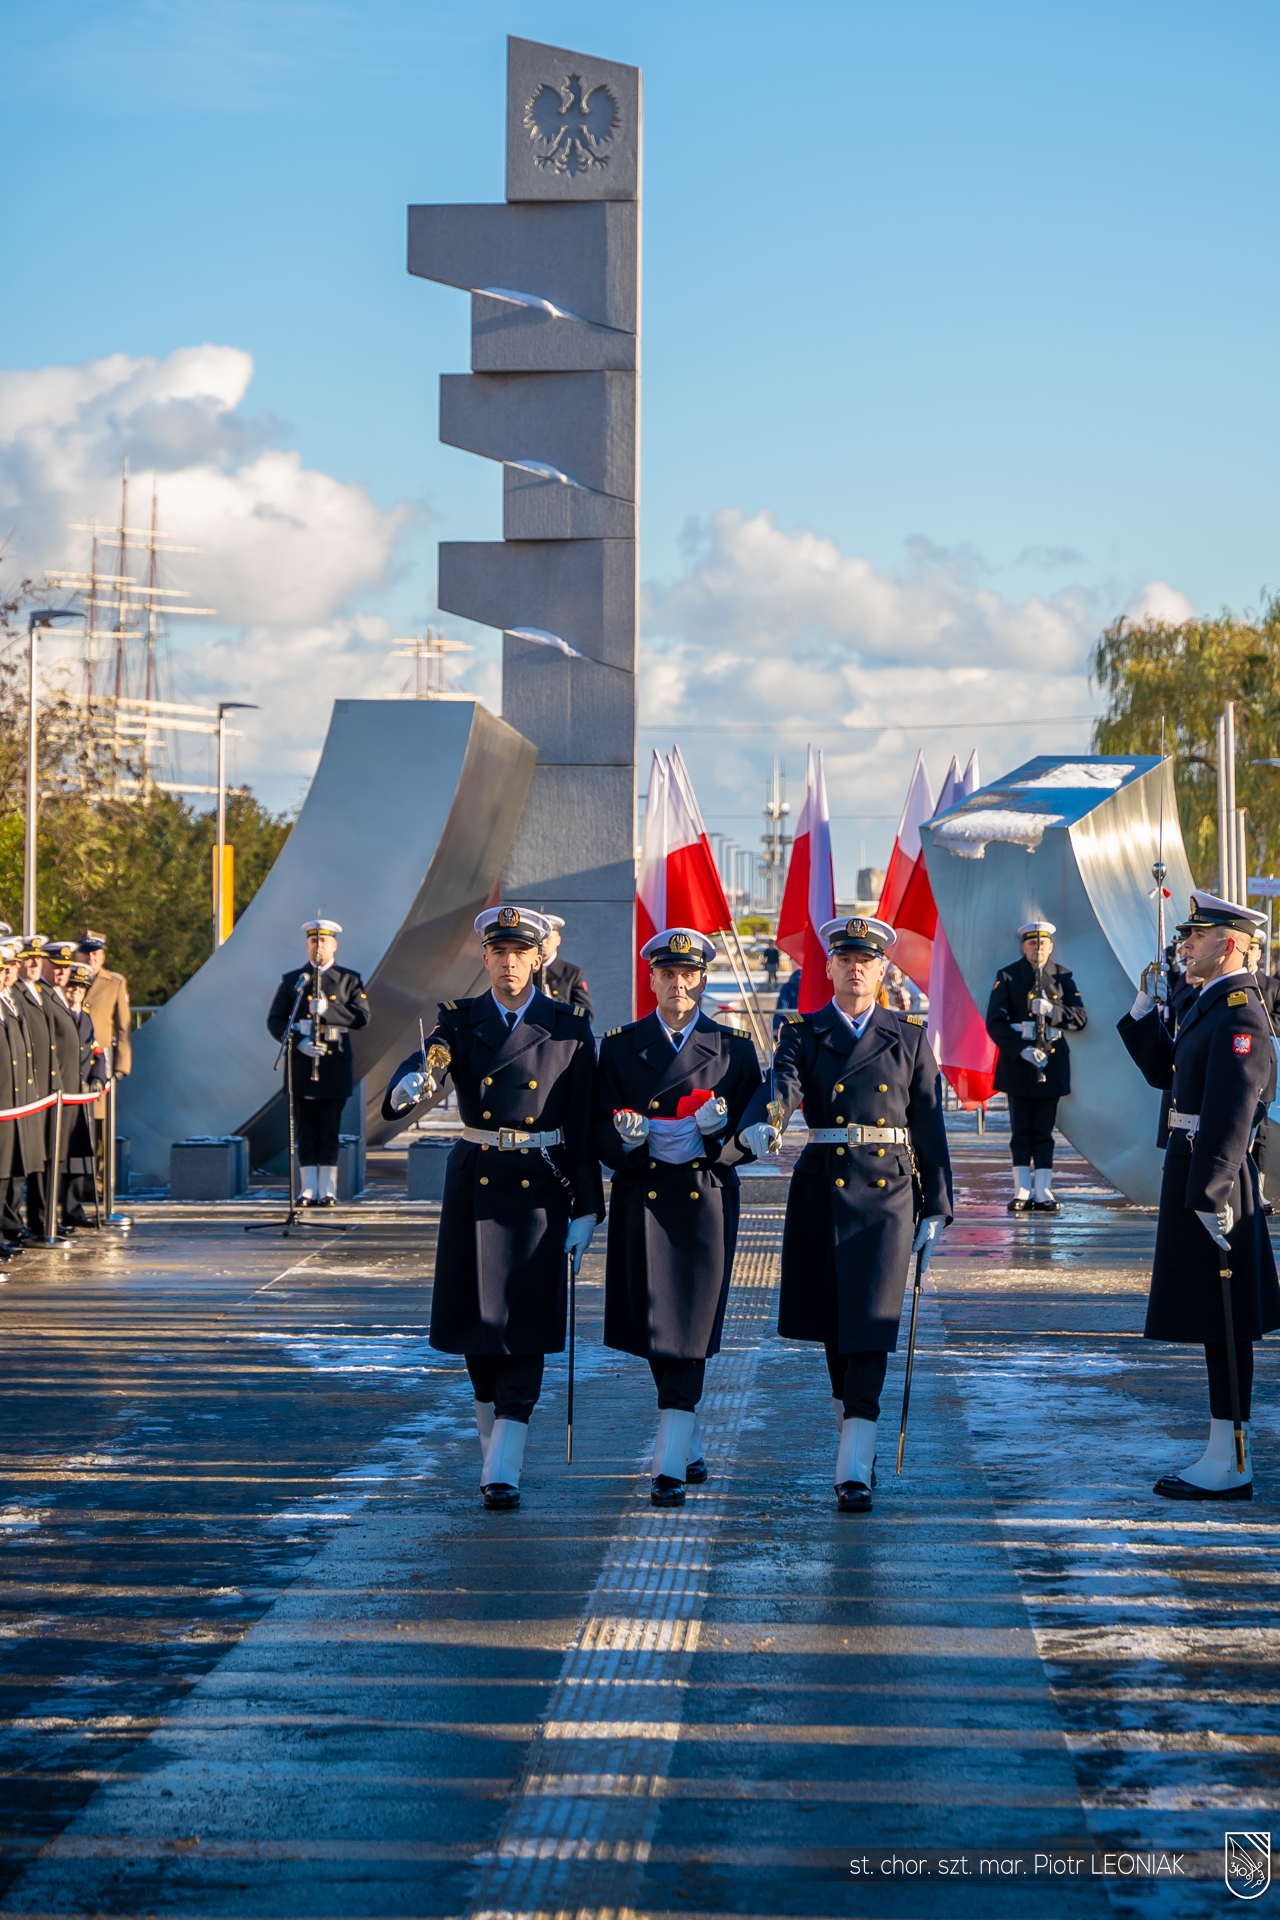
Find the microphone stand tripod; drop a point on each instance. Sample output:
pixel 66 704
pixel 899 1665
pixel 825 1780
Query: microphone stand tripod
pixel 294 1217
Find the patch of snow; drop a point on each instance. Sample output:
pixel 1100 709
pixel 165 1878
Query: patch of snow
pixel 1078 776
pixel 970 834
pixel 532 300
pixel 542 638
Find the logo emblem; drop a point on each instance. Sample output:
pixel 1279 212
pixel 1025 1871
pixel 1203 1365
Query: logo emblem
pixel 508 916
pixel 858 928
pixel 571 126
pixel 1242 1042
pixel 1246 1866
pixel 680 943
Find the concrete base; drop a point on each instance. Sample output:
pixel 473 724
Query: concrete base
pixel 350 1166
pixel 427 1159
pixel 210 1169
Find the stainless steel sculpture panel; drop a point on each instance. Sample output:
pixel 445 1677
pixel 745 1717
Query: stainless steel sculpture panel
pixel 553 395
pixel 411 814
pixel 1073 838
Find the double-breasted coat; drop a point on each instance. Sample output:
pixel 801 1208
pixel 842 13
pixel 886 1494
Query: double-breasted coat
pixel 846 1244
pixel 562 980
pixel 1010 1005
pixel 673 1227
pixel 1216 1066
pixel 501 1283
pixel 348 1009
pixel 26 1153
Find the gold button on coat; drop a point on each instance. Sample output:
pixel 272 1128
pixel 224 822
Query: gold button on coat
pixel 486 1115
pixel 532 1085
pixel 839 1149
pixel 882 1088
pixel 694 1194
pixel 489 1080
pixel 484 1179
pixel 880 1153
pixel 652 1194
pixel 840 1183
pixel 524 1183
pixel 839 1119
pixel 528 1119
pixel 880 1183
pixel 840 1088
pixel 652 1105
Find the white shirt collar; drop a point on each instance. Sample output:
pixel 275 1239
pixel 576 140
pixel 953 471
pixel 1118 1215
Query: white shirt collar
pixel 677 1036
pixel 1222 976
pixel 513 1015
pixel 859 1026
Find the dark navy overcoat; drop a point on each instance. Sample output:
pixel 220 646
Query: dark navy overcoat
pixel 501 1282
pixel 846 1245
pixel 1010 1004
pixel 672 1228
pixel 1217 1066
pixel 348 1010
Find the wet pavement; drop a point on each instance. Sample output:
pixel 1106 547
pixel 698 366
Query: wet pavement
pixel 262 1652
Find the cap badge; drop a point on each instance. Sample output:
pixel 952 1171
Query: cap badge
pixel 508 916
pixel 858 928
pixel 680 943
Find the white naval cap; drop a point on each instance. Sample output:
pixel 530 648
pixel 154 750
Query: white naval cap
pixel 678 947
pixel 321 926
pixel 1032 929
pixel 512 923
pixel 553 920
pixel 857 935
pixel 1208 911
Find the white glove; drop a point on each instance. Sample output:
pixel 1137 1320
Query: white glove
pixel 578 1238
pixel 1218 1225
pixel 310 1048
pixel 633 1127
pixel 926 1233
pixel 711 1116
pixel 1042 1009
pixel 408 1092
pixel 760 1139
pixel 318 1006
pixel 1036 1055
pixel 1142 1005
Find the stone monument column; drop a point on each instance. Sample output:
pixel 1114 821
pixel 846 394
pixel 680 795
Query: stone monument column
pixel 554 278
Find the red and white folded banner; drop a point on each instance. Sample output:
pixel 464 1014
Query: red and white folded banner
pixel 50 1100
pixel 677 882
pixel 809 897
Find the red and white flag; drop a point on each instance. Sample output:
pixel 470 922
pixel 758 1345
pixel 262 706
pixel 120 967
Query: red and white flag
pixel 651 879
pixel 912 948
pixel 677 881
pixel 809 898
pixel 957 1031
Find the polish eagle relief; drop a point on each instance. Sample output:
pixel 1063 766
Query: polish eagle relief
pixel 571 126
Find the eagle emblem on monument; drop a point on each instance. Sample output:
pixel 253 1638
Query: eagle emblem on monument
pixel 571 126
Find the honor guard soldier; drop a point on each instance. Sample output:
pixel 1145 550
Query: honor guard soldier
pixel 869 1086
pixel 560 979
pixel 522 1189
pixel 330 1006
pixel 1033 1006
pixel 673 1090
pixel 1213 1280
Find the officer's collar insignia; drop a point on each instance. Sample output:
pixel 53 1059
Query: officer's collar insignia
pixel 680 943
pixel 858 928
pixel 508 916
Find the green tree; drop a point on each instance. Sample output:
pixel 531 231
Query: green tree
pixel 140 869
pixel 1184 673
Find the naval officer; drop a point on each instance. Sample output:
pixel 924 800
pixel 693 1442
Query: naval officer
pixel 561 979
pixel 522 1189
pixel 1034 1004
pixel 869 1085
pixel 673 1090
pixel 1216 1068
pixel 332 1005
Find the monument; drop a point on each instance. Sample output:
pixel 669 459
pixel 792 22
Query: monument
pixel 554 279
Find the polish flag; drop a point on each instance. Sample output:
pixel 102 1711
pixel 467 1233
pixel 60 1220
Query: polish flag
pixel 695 891
pixel 809 898
pixel 957 1030
pixel 911 949
pixel 651 879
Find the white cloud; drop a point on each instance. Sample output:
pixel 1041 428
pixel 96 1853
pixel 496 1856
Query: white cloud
pixel 286 552
pixel 784 630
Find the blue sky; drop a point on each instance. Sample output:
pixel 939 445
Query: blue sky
pixel 977 299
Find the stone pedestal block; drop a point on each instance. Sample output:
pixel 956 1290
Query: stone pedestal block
pixel 581 424
pixel 216 1168
pixel 427 1161
pixel 584 591
pixel 541 506
pixel 584 260
pixel 518 333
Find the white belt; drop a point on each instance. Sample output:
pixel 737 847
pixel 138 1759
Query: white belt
pixel 858 1136
pixel 511 1140
pixel 1190 1121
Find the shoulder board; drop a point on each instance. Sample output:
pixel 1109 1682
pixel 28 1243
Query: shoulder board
pixel 580 1011
pixel 916 1020
pixel 1237 999
pixel 449 1006
pixel 612 1030
pixel 792 1018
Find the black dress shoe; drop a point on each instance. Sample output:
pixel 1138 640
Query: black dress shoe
pixel 1172 1487
pixel 499 1497
pixel 79 1218
pixel 325 1200
pixel 853 1497
pixel 1045 1206
pixel 1019 1206
pixel 666 1492
pixel 695 1473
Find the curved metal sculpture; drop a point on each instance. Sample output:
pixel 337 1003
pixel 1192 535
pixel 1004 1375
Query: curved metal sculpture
pixel 1073 838
pixel 412 812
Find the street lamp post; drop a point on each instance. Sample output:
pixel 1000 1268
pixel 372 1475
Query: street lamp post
pixel 39 617
pixel 224 708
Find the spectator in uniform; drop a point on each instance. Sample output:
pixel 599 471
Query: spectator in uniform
pixel 332 1006
pixel 29 989
pixel 56 961
pixel 81 1129
pixel 25 1154
pixel 560 979
pixel 106 1002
